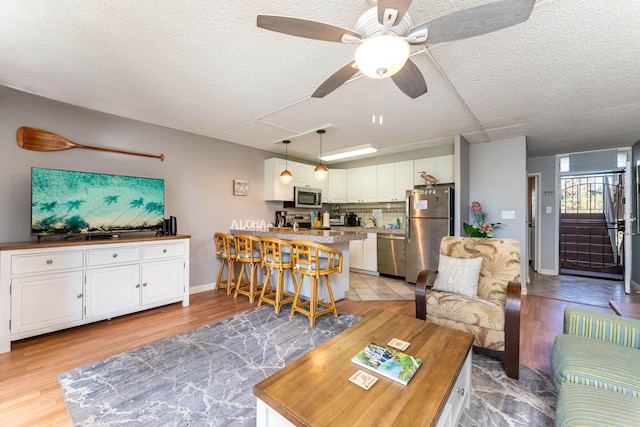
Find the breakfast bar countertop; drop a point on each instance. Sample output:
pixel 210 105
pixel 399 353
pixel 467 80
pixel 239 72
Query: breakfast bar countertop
pixel 326 237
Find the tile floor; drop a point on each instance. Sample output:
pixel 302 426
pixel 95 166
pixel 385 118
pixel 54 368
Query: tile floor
pixel 365 287
pixel 582 290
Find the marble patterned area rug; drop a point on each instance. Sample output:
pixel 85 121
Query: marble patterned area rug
pixel 497 400
pixel 205 377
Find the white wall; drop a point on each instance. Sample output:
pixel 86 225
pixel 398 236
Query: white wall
pixel 546 166
pixel 198 171
pixel 462 203
pixel 498 180
pixel 635 236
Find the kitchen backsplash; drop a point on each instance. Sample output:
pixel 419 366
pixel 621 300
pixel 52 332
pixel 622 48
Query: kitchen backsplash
pixel 390 211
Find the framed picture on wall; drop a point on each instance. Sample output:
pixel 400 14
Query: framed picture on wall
pixel 240 187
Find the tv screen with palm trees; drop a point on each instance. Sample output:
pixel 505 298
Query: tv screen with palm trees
pixel 72 202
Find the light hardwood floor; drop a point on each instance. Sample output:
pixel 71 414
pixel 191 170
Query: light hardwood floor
pixel 30 394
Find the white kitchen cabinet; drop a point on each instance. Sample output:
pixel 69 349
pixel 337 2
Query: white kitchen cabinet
pixel 427 165
pixel 55 285
pixel 303 175
pixel 370 253
pixel 363 254
pixel 337 186
pixel 273 188
pixel 445 168
pixel 362 184
pixel 403 179
pixel 386 182
pixel 440 167
pixel 322 185
pixel 355 254
pixel 394 179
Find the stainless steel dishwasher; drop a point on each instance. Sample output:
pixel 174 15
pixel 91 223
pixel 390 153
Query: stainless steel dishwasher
pixel 391 254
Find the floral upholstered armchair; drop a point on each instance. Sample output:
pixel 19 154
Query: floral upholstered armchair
pixel 477 290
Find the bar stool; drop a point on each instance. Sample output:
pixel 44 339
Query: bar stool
pixel 276 257
pixel 315 261
pixel 249 261
pixel 226 253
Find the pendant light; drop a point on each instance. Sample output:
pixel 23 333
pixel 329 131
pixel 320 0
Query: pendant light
pixel 285 176
pixel 321 172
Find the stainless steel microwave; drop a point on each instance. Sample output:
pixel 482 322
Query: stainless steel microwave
pixel 304 197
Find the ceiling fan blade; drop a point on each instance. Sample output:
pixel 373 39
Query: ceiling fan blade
pixel 304 28
pixel 410 80
pixel 476 21
pixel 400 5
pixel 336 80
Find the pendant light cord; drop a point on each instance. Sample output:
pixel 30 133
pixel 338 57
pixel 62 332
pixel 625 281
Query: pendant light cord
pixel 321 132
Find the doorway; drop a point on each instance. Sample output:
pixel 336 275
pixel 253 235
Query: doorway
pixel 533 218
pixel 592 225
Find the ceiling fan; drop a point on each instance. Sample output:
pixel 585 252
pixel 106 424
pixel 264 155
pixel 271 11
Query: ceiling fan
pixel 385 34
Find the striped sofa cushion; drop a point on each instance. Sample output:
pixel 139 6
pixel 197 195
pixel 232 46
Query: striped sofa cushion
pixel 584 406
pixel 596 363
pixel 602 326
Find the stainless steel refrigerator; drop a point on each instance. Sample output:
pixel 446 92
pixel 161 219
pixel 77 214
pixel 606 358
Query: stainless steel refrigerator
pixel 429 219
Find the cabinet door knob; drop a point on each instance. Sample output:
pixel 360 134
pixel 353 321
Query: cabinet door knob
pixel 164 251
pixel 138 285
pixel 115 255
pixel 49 261
pixel 461 391
pixel 80 295
pixel 144 284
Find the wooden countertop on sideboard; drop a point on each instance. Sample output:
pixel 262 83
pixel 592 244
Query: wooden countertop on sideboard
pixel 82 241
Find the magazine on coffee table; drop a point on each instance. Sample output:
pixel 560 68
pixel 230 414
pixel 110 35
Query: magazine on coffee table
pixel 388 362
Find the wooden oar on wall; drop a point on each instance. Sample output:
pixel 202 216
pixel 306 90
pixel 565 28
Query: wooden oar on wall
pixel 41 140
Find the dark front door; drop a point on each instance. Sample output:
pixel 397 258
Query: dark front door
pixel 592 225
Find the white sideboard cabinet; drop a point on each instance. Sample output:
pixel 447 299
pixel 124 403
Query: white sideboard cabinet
pixel 50 286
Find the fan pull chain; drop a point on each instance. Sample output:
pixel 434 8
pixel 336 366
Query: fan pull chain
pixel 377 114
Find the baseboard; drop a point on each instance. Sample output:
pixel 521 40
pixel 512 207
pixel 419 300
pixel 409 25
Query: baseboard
pixel 635 287
pixel 547 272
pixel 368 272
pixel 202 288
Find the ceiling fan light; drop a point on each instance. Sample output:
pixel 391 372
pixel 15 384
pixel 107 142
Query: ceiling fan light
pixel 321 172
pixel 382 56
pixel 286 177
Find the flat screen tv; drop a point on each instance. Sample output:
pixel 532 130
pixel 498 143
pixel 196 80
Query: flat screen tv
pixel 70 203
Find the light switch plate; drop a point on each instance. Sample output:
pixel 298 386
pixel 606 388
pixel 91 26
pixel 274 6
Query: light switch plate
pixel 548 209
pixel 508 214
pixel 377 213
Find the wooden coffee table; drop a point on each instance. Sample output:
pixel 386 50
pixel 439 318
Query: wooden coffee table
pixel 315 391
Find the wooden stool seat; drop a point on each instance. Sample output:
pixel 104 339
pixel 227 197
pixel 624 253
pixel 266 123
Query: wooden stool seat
pixel 276 258
pixel 314 260
pixel 249 261
pixel 226 253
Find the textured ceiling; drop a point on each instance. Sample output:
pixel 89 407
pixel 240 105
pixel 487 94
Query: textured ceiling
pixel 568 78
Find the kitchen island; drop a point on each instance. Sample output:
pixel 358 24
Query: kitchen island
pixel 338 239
